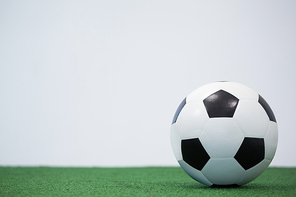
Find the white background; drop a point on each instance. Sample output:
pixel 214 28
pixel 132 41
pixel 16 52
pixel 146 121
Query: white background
pixel 96 83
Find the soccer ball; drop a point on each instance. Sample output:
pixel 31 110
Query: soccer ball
pixel 224 134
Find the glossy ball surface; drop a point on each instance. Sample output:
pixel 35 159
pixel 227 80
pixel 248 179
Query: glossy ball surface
pixel 224 133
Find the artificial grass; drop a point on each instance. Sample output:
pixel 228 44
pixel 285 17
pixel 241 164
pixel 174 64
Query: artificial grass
pixel 148 181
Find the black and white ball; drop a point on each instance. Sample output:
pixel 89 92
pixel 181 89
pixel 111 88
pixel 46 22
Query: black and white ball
pixel 224 134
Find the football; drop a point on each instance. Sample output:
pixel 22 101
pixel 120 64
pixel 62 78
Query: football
pixel 224 134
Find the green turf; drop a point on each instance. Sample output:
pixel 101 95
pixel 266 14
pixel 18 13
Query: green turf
pixel 151 181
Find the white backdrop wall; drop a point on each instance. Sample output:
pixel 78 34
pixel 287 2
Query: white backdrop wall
pixel 96 83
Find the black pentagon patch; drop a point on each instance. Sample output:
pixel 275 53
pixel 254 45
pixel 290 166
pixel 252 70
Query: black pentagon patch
pixel 182 104
pixel 225 186
pixel 194 153
pixel 267 108
pixel 251 152
pixel 220 104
